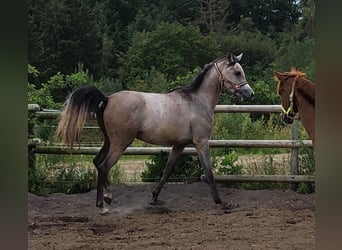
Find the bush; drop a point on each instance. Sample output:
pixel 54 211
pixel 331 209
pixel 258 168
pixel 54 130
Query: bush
pixel 241 126
pixel 306 166
pixel 185 169
pixel 66 174
pixel 169 51
pixel 228 165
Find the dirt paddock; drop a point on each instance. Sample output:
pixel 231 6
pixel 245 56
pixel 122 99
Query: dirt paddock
pixel 187 219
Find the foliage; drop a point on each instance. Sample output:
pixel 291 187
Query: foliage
pixel 241 126
pixel 306 166
pixel 297 53
pixel 185 169
pixel 64 174
pixel 268 15
pixel 63 34
pixel 173 49
pixel 95 33
pixel 48 94
pixel 258 48
pixel 226 165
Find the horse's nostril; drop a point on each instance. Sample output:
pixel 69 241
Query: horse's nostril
pixel 252 94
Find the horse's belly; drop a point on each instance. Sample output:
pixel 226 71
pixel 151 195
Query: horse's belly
pixel 166 135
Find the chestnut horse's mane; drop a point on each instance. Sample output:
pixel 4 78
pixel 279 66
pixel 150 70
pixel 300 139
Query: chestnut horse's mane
pixel 293 72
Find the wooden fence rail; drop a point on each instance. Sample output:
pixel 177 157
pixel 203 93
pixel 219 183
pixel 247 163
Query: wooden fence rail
pixel 53 114
pixel 189 150
pixel 294 144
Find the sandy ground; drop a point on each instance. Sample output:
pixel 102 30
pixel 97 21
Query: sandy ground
pixel 188 219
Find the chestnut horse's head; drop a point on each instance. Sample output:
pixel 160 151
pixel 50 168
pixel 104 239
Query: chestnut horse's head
pixel 286 91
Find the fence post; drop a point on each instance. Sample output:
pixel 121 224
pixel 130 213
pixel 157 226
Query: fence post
pixel 31 168
pixel 294 154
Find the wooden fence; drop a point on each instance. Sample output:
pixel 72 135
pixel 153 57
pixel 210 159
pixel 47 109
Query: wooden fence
pixel 294 144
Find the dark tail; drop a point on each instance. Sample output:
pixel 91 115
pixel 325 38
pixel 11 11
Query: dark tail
pixel 81 103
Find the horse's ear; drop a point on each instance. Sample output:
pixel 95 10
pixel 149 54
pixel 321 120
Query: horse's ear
pixel 239 57
pixel 278 76
pixel 230 57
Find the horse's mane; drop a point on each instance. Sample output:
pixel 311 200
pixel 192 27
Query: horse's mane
pixel 293 72
pixel 197 81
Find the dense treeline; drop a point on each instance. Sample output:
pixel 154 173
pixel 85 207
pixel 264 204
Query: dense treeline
pixel 158 45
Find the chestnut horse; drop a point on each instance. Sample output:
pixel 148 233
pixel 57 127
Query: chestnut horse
pixel 297 96
pixel 176 118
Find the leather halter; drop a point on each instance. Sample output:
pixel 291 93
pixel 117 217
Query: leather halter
pixel 223 80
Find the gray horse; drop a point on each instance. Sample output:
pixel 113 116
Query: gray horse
pixel 176 118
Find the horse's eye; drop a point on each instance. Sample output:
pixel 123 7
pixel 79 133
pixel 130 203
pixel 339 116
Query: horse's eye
pixel 238 73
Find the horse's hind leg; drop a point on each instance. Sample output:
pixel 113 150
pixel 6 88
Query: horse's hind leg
pixel 173 156
pixel 103 194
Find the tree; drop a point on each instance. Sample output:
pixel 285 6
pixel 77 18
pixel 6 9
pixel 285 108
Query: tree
pixel 63 34
pixel 213 15
pixel 269 16
pixel 172 49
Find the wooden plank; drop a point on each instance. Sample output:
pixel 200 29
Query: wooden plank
pixel 189 150
pixel 47 114
pixel 33 107
pixel 265 178
pixel 260 143
pixel 247 109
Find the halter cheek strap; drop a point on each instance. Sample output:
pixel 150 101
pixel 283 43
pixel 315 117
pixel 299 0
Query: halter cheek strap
pixel 224 80
pixel 290 108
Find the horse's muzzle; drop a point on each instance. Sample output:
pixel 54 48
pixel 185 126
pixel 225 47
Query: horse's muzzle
pixel 287 119
pixel 245 92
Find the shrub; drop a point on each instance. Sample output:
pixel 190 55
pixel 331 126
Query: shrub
pixel 66 174
pixel 228 165
pixel 306 166
pixel 185 169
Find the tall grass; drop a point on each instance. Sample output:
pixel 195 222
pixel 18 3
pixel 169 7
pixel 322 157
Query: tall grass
pixel 67 174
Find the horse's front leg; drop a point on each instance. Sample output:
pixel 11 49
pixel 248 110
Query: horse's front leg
pixel 173 156
pixel 203 151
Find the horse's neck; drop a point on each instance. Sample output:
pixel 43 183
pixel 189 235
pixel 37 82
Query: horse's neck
pixel 209 91
pixel 306 106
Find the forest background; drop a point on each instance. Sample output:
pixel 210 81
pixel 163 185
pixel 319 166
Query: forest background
pixel 155 46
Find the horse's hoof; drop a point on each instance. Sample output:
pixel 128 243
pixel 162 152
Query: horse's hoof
pixel 104 211
pixel 228 207
pixel 204 179
pixel 108 200
pixel 107 197
pixel 156 202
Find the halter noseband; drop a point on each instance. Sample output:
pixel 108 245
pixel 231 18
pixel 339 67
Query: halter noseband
pixel 290 108
pixel 223 80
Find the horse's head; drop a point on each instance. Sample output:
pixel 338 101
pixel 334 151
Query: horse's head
pixel 232 77
pixel 286 91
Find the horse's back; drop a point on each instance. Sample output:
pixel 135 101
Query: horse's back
pixel 154 118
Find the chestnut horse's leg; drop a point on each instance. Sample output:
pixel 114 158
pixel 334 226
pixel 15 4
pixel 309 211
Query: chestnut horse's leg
pixel 173 156
pixel 202 147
